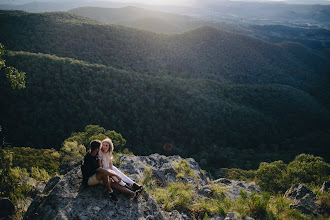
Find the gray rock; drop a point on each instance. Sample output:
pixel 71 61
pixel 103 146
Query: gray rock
pixel 51 184
pixel 222 180
pixel 23 205
pixel 68 165
pixel 205 190
pixel 325 187
pixel 162 168
pixel 231 216
pixel 69 199
pixel 303 199
pixel 216 217
pixel 232 188
pixel 7 208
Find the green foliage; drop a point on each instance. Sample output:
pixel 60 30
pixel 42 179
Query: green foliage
pixel 16 78
pixel 72 150
pixel 257 207
pixel 324 199
pixel 205 207
pixel 26 157
pixel 238 174
pixel 254 205
pixel 182 167
pixel 39 174
pixel 273 176
pixel 278 177
pixel 147 180
pixel 11 180
pixel 19 173
pixel 307 168
pixel 175 196
pixel 77 141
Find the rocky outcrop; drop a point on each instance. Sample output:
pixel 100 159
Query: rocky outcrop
pixel 163 170
pixel 69 199
pixel 303 199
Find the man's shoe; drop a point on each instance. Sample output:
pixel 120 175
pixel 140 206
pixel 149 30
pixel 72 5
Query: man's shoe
pixel 137 187
pixel 112 196
pixel 137 194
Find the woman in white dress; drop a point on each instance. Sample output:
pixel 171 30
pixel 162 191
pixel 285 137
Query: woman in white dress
pixel 105 161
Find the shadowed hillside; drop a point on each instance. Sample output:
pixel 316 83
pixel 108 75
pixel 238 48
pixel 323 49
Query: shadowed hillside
pixel 202 89
pixel 64 95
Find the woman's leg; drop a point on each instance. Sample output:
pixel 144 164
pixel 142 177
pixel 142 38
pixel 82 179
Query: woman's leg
pixel 123 176
pixel 115 178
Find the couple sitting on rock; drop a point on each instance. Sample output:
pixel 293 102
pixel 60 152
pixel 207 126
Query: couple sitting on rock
pixel 97 168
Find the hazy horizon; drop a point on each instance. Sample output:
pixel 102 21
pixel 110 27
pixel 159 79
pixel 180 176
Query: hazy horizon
pixel 169 2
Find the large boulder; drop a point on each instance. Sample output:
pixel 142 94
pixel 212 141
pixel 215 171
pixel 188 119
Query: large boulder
pixel 303 199
pixel 71 200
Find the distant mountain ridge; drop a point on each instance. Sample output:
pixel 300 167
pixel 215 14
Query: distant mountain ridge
pixel 205 52
pixel 141 18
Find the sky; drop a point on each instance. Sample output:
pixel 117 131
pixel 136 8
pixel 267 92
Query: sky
pixel 192 2
pixel 169 2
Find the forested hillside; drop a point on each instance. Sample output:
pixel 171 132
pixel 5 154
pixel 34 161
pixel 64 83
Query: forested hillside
pixel 206 52
pixel 196 115
pixel 207 91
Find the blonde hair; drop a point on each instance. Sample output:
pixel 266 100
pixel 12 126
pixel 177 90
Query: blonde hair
pixel 109 141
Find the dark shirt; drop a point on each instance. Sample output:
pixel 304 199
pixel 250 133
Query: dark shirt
pixel 89 164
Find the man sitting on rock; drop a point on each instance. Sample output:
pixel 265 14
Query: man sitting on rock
pixel 94 174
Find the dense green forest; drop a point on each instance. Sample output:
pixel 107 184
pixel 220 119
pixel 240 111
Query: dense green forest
pixel 226 99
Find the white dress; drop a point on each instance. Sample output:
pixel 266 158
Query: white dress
pixel 105 160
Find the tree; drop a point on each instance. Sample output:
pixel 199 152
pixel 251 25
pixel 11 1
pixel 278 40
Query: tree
pixel 16 78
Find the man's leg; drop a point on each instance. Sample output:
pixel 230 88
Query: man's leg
pixel 122 189
pixel 105 180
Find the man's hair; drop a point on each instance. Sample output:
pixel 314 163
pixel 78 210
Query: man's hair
pixel 95 144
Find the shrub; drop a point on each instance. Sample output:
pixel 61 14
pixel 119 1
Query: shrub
pixel 238 174
pixel 19 173
pixel 73 150
pixel 307 169
pixel 96 132
pixel 273 176
pixel 257 207
pixel 11 184
pixel 39 174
